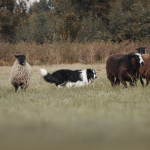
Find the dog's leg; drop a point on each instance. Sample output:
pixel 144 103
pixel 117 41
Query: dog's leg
pixel 59 86
pixel 69 84
pixel 63 84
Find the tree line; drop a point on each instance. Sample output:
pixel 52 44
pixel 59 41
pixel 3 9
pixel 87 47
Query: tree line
pixel 74 20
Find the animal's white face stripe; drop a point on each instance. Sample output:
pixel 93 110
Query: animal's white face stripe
pixel 94 73
pixel 140 57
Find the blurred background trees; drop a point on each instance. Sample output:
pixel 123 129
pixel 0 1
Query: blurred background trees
pixel 12 14
pixel 74 20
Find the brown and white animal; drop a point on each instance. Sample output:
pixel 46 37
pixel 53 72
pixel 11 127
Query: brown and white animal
pixel 145 70
pixel 20 73
pixel 124 68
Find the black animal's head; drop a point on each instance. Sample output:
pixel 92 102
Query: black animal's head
pixel 91 75
pixel 21 59
pixel 141 50
pixel 138 58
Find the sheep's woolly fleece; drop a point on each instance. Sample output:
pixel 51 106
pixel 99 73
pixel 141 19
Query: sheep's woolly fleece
pixel 20 74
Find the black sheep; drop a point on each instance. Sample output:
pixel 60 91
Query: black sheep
pixel 124 68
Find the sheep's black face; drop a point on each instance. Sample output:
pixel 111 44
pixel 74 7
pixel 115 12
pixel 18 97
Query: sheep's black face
pixel 139 59
pixel 141 50
pixel 91 75
pixel 21 59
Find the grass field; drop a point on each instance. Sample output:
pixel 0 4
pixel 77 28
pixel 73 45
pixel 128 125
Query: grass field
pixel 89 117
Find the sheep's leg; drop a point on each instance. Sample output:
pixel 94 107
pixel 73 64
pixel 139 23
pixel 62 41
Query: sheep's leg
pixel 117 82
pixel 131 83
pixel 21 85
pixel 16 88
pixel 111 78
pixel 142 81
pixel 147 82
pixel 122 81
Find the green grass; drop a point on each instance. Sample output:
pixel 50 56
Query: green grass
pixel 94 115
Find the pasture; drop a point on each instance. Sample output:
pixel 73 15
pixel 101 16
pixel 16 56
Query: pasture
pixel 91 117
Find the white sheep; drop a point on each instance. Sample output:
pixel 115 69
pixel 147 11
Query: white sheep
pixel 20 73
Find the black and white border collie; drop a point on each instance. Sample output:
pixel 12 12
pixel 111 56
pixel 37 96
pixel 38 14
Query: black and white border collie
pixel 70 78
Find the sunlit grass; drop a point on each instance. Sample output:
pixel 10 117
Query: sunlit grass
pixel 89 115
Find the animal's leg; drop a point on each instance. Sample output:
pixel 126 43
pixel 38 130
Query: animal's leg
pixel 21 85
pixel 131 83
pixel 69 84
pixel 141 81
pixel 111 78
pixel 122 81
pixel 147 82
pixel 117 82
pixel 59 86
pixel 23 88
pixel 63 84
pixel 16 88
pixel 147 76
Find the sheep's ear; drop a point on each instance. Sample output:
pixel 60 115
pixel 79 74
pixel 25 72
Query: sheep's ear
pixel 131 55
pixel 16 56
pixel 24 56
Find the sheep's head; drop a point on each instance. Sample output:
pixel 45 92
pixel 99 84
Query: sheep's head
pixel 138 58
pixel 141 50
pixel 21 59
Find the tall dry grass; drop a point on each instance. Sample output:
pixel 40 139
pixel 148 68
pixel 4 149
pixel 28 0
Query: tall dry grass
pixel 67 53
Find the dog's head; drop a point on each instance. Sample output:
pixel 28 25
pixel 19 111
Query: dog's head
pixel 91 75
pixel 21 59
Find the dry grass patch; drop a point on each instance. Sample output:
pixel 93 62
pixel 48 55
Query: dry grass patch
pixel 68 53
pixel 92 116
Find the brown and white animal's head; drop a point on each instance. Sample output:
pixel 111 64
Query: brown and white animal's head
pixel 138 58
pixel 21 59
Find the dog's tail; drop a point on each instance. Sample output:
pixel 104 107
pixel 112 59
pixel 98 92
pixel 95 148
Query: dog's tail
pixel 47 76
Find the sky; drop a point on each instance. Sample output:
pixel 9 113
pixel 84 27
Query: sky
pixel 31 1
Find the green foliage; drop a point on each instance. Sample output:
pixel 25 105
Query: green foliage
pixel 75 20
pixel 12 14
pixel 38 29
pixel 70 27
pixel 92 29
pixel 130 25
